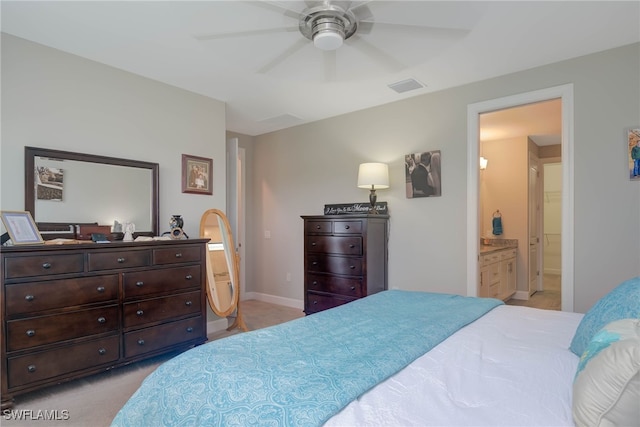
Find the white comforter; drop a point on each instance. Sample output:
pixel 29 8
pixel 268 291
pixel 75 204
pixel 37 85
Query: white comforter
pixel 512 367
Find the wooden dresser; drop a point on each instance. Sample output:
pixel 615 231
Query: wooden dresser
pixel 345 258
pixel 73 310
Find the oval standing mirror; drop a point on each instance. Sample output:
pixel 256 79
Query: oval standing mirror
pixel 223 284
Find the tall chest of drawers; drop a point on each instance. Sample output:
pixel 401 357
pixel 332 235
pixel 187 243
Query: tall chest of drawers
pixel 345 258
pixel 73 310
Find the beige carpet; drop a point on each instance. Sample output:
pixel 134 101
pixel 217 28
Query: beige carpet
pixel 94 401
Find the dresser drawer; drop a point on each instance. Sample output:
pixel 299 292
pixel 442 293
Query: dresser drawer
pixel 118 259
pixel 39 296
pixel 158 281
pixel 42 265
pixel 318 227
pixel 35 331
pixel 489 258
pixel 176 255
pixel 158 309
pixel 347 227
pixel 151 339
pixel 50 364
pixel 347 245
pixel 335 285
pixel 335 265
pixel 318 302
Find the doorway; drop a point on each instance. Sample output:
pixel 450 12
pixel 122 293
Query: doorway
pixel 565 93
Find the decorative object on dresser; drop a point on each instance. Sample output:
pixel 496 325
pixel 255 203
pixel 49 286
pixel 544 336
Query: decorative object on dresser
pixel 69 311
pixel 345 258
pixel 374 176
pixel 223 267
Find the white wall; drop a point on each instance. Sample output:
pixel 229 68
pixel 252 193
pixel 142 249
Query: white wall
pixel 300 169
pixel 52 99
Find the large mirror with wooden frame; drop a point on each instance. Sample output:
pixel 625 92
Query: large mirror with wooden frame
pixel 223 272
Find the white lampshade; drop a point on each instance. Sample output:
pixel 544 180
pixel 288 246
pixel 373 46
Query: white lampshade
pixel 373 176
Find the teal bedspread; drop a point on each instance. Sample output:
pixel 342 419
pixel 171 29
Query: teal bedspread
pixel 302 372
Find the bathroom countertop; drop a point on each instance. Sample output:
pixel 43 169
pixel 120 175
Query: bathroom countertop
pixel 495 245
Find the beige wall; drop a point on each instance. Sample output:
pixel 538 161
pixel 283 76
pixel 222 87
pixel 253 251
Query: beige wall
pixel 302 168
pixel 52 99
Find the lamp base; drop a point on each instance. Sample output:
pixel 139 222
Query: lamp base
pixel 372 201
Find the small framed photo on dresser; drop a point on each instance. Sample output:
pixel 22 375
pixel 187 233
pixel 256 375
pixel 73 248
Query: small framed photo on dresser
pixel 21 227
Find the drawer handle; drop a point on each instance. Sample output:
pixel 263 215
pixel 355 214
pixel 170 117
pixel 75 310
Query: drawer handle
pixel 31 332
pixel 314 263
pixel 178 255
pixel 120 260
pixel 314 283
pixel 140 341
pixel 101 319
pixel 100 289
pixel 346 227
pixel 29 298
pixel 353 267
pixel 140 312
pixel 317 227
pixel 353 288
pixel 46 265
pixel 31 368
pixel 315 302
pixel 139 284
pixel 188 277
pixel 188 303
pixel 352 246
pixel 189 329
pixel 313 243
pixel 102 351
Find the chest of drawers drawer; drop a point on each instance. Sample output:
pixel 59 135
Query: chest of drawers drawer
pixel 176 255
pixel 36 331
pixel 159 309
pixel 346 245
pixel 348 227
pixel 42 265
pixel 111 260
pixel 151 339
pixel 60 361
pixel 335 264
pixel 351 287
pixel 33 297
pixel 143 283
pixel 319 302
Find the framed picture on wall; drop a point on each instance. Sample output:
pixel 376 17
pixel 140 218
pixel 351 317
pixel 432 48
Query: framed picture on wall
pixel 422 174
pixel 633 153
pixel 197 175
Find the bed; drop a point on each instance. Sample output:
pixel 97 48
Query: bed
pixel 403 358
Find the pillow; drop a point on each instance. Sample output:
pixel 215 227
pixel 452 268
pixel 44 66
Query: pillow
pixel 621 303
pixel 606 390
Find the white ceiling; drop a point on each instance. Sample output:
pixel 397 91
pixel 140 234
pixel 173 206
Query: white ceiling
pixel 273 80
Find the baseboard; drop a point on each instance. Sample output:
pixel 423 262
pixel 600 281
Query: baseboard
pixel 272 299
pixel 217 325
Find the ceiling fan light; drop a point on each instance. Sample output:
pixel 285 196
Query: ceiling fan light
pixel 328 40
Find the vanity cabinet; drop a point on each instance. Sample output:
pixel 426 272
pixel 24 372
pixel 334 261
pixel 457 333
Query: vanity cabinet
pixel 498 274
pixel 345 258
pixel 73 310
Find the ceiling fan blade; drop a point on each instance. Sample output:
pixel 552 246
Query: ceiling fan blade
pixel 302 42
pixel 362 11
pixel 276 7
pixel 365 27
pixel 245 33
pixel 329 65
pixel 383 58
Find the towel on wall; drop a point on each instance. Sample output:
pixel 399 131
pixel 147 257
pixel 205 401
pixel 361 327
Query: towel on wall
pixel 497 225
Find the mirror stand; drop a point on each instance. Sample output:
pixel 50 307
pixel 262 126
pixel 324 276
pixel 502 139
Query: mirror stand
pixel 223 271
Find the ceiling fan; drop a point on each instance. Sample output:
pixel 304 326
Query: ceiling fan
pixel 328 25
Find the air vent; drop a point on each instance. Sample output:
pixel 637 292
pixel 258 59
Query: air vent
pixel 406 85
